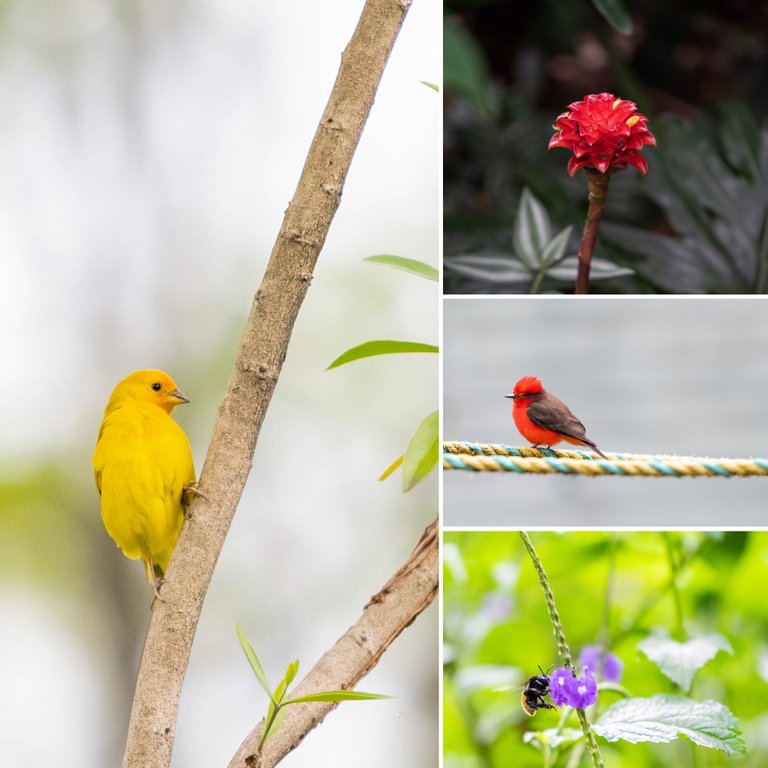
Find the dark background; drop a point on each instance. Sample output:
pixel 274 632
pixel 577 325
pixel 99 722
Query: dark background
pixel 696 223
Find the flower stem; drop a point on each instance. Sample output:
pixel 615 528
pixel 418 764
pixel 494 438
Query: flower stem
pixel 562 645
pixel 597 185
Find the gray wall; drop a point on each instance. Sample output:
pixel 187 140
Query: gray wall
pixel 657 375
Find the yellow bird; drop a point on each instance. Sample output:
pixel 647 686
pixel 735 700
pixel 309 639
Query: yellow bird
pixel 143 466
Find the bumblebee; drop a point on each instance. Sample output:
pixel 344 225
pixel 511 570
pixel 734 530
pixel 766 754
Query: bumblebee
pixel 534 691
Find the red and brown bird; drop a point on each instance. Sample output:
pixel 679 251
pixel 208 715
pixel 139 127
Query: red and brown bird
pixel 543 419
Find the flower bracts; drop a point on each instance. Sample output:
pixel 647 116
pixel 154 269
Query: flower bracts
pixel 604 133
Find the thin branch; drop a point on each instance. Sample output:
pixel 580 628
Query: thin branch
pixel 386 615
pixel 152 727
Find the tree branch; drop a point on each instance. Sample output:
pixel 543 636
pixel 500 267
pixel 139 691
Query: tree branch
pixel 386 615
pixel 152 727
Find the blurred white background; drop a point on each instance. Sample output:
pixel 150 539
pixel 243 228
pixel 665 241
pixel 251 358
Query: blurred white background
pixel 670 375
pixel 149 149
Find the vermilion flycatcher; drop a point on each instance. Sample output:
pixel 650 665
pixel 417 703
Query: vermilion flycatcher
pixel 543 419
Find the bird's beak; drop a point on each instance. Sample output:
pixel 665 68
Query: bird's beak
pixel 177 397
pixel 512 396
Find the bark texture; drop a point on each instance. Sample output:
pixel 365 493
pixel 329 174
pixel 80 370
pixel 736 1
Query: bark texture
pixel 151 731
pixel 387 614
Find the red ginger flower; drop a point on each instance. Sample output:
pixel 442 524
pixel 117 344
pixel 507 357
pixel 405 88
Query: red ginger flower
pixel 603 132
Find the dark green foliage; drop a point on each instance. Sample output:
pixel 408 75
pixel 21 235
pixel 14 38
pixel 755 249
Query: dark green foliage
pixel 711 187
pixel 696 223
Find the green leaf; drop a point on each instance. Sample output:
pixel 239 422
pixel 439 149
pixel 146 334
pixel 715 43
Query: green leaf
pixel 465 70
pixel 704 201
pixel 392 467
pixel 273 721
pixel 415 267
pixel 672 262
pixel 290 672
pixel 430 85
pixel 269 721
pixel 614 12
pixel 280 691
pixel 554 250
pixel 600 269
pixel 338 696
pixel 741 140
pixel 553 737
pixel 492 268
pixel 279 719
pixel 681 661
pixel 422 452
pixel 382 347
pixel 664 718
pixel 532 230
pixel 254 661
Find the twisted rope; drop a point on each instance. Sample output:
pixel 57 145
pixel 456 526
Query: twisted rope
pixel 485 457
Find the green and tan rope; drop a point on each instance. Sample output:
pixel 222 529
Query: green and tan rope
pixel 497 457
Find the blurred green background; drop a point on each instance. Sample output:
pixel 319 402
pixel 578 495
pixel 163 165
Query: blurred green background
pixel 149 151
pixel 696 223
pixel 497 631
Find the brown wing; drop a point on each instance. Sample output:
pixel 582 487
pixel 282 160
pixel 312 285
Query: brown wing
pixel 555 415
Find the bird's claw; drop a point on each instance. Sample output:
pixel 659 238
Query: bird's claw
pixel 193 490
pixel 187 492
pixel 157 582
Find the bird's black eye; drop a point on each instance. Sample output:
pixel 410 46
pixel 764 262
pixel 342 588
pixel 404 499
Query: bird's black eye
pixel 156 386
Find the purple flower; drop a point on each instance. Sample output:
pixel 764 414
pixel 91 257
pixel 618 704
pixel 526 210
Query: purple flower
pixel 559 686
pixel 590 657
pixel 583 690
pixel 576 692
pixel 613 666
pixel 606 665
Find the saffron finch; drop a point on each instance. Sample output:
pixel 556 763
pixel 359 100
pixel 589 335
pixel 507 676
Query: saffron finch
pixel 143 466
